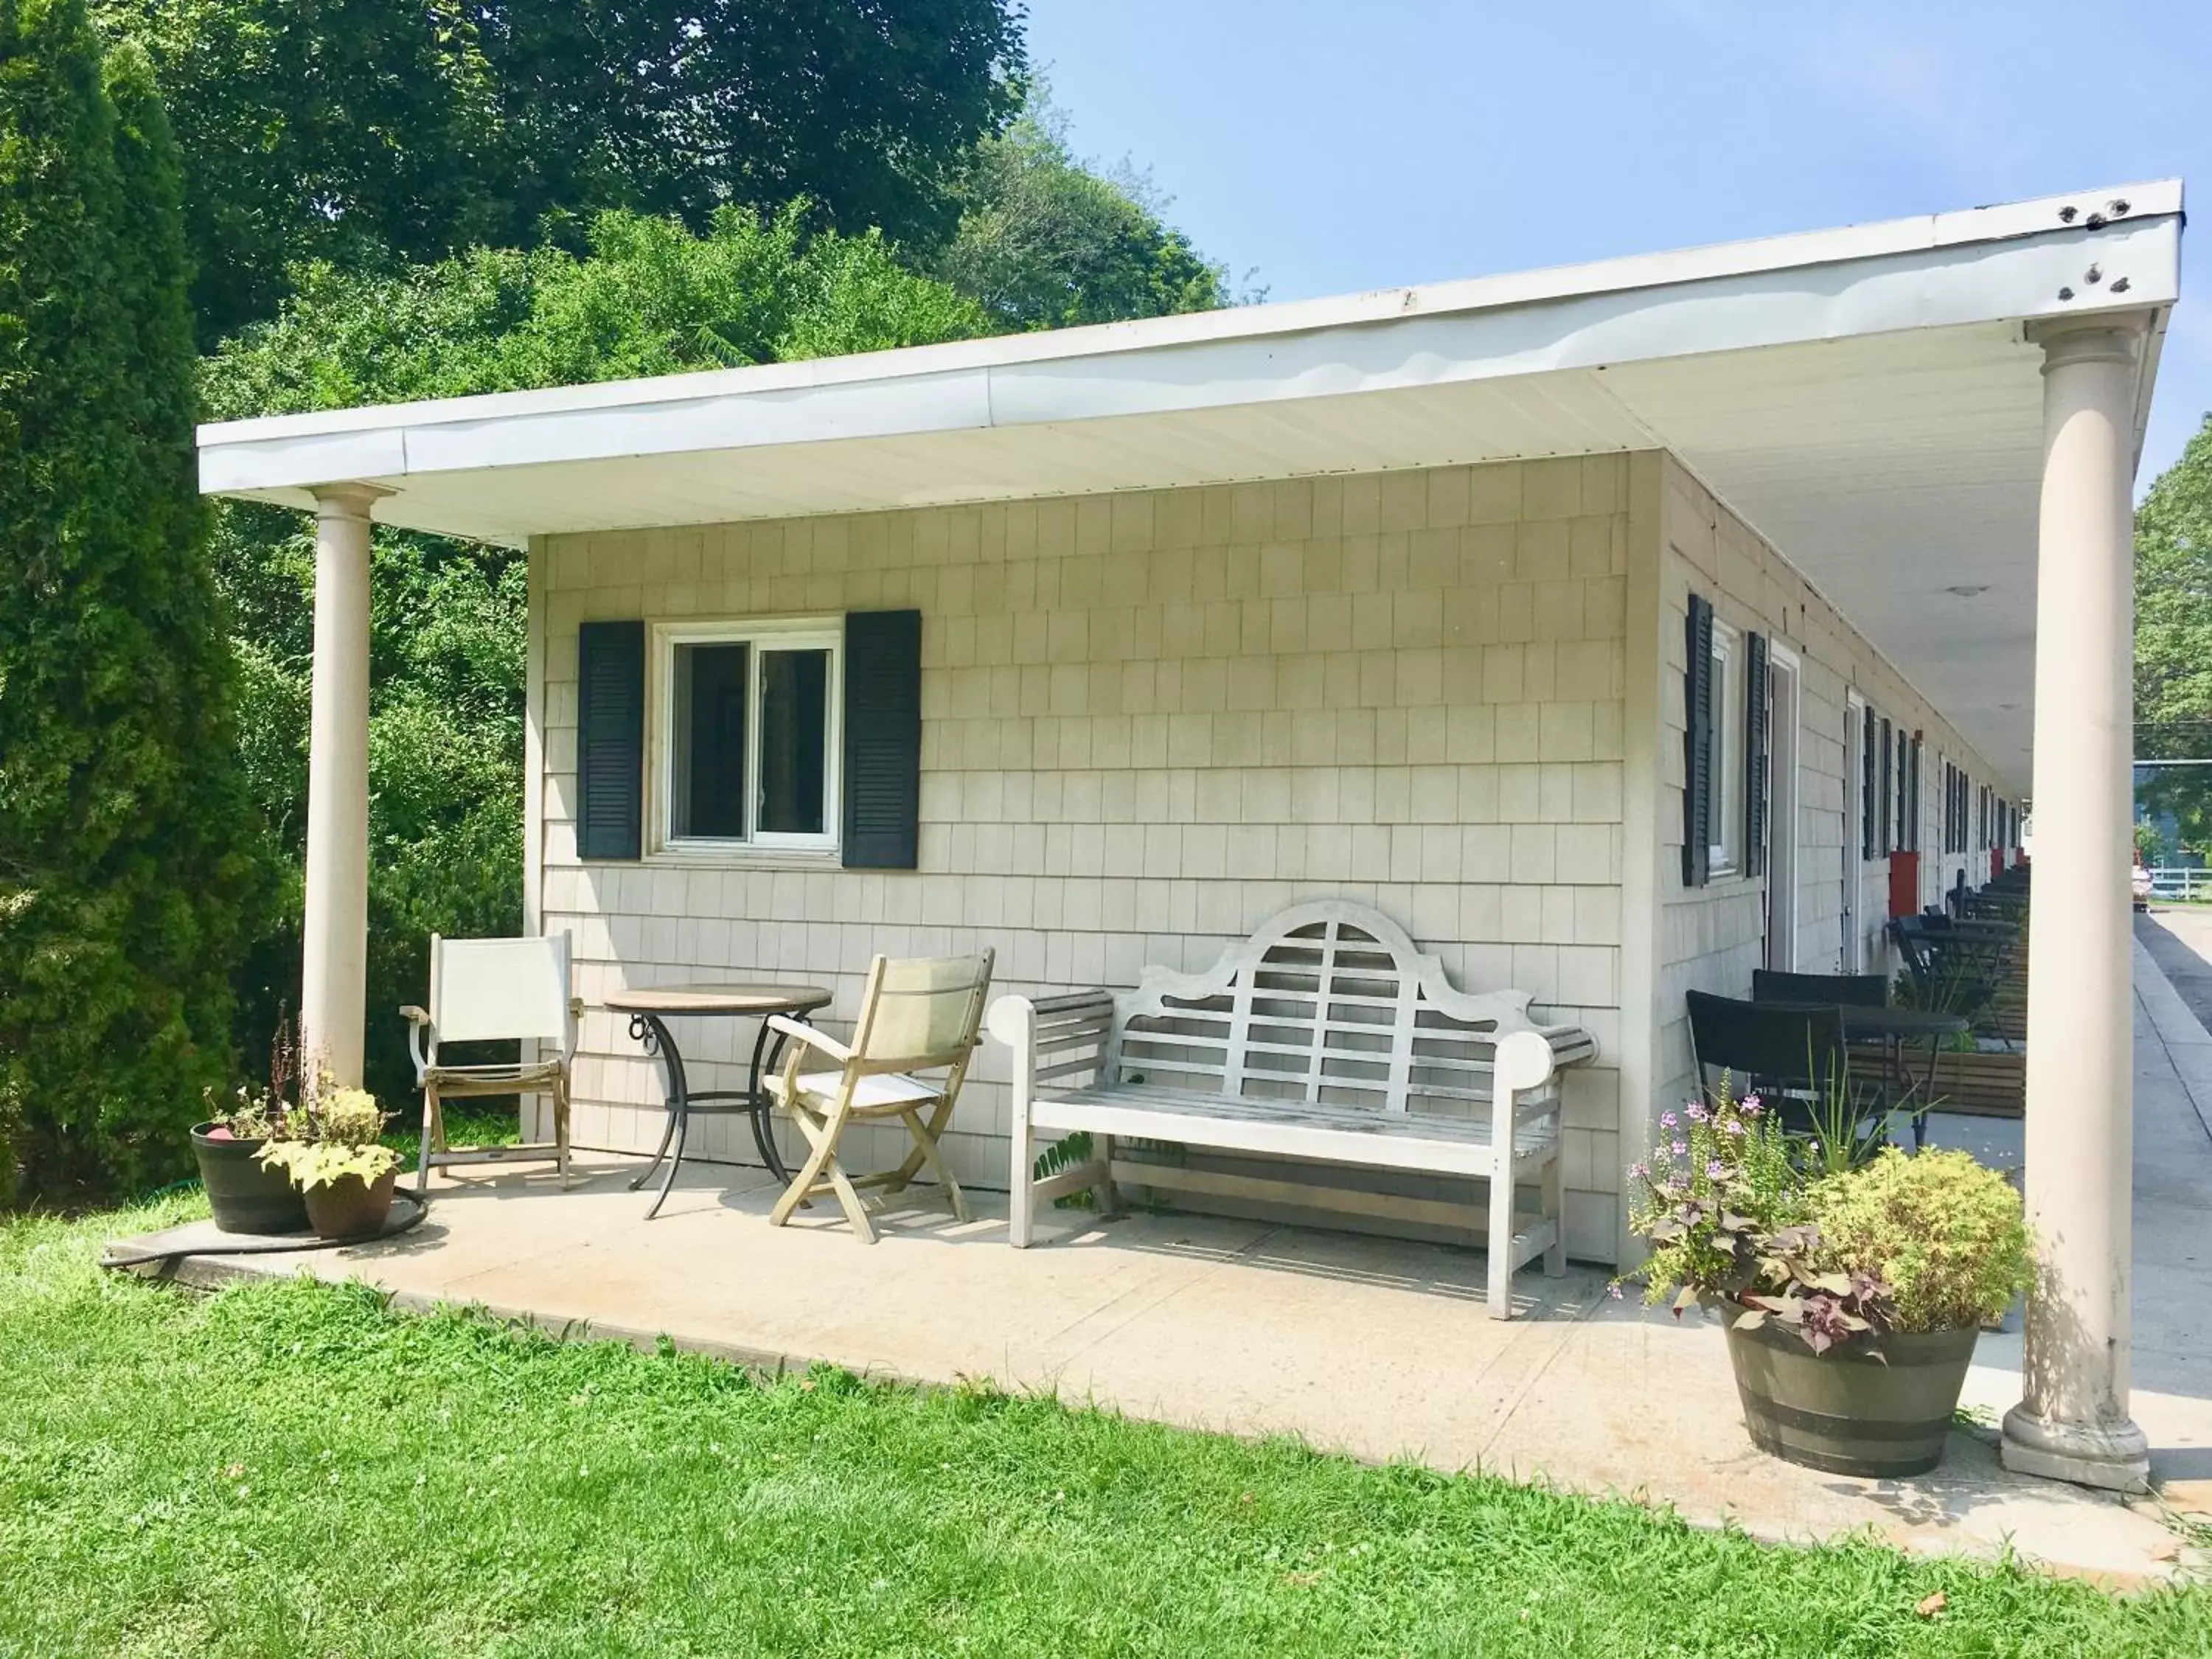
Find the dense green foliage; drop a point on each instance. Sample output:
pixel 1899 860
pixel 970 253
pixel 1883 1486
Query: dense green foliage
pixel 365 133
pixel 1045 242
pixel 293 1468
pixel 446 657
pixel 646 297
pixel 2173 640
pixel 1944 1233
pixel 127 866
pixel 387 199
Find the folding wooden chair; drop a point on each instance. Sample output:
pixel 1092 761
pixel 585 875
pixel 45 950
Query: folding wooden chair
pixel 916 1016
pixel 488 990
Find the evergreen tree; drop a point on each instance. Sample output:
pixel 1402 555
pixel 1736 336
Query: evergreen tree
pixel 128 846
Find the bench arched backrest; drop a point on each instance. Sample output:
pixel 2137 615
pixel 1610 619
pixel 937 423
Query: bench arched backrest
pixel 1329 1001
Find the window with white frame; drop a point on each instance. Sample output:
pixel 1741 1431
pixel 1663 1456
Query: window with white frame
pixel 1727 832
pixel 747 735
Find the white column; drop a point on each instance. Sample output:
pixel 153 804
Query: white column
pixel 334 946
pixel 2072 1421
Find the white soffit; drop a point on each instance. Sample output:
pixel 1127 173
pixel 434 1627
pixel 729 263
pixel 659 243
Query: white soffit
pixel 1865 397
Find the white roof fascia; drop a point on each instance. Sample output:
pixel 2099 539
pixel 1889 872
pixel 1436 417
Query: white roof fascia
pixel 1989 264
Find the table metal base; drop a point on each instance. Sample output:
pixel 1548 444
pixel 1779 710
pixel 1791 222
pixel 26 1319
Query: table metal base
pixel 682 1104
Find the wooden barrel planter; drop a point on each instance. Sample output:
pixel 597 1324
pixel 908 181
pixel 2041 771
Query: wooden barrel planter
pixel 1851 1414
pixel 243 1196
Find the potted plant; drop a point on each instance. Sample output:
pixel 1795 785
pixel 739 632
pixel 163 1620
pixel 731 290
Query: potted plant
pixel 344 1175
pixel 1852 1299
pixel 1945 1239
pixel 244 1195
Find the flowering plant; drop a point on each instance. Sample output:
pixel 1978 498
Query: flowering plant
pixel 1719 1181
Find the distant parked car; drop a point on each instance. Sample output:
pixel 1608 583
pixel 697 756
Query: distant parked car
pixel 2139 880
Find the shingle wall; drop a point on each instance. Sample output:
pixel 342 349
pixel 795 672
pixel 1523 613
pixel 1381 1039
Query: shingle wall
pixel 1711 938
pixel 1148 722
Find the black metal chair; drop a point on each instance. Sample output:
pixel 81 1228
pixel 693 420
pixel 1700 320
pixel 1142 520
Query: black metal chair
pixel 1828 990
pixel 1951 971
pixel 1791 1053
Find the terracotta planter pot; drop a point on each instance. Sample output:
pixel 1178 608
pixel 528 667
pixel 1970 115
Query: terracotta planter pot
pixel 350 1208
pixel 246 1197
pixel 1851 1415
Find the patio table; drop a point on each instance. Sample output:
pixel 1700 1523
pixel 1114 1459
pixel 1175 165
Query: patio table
pixel 1895 1027
pixel 649 1011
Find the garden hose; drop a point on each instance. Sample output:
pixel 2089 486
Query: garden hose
pixel 395 1224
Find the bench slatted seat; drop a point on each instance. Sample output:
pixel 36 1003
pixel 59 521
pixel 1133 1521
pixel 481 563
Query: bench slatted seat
pixel 1326 1036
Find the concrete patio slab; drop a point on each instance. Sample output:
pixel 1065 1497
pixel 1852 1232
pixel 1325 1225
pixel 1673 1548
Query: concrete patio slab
pixel 1371 1347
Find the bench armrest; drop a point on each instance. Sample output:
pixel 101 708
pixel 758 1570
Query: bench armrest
pixel 1055 1035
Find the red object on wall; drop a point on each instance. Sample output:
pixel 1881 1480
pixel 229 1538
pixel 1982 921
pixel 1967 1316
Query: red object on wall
pixel 1996 863
pixel 1904 883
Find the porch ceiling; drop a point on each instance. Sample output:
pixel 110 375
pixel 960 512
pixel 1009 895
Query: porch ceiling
pixel 1866 398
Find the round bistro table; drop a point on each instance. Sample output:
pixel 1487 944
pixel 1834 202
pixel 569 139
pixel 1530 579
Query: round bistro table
pixel 649 1011
pixel 1894 1028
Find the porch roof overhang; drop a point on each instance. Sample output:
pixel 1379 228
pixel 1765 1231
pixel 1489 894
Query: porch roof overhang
pixel 1867 399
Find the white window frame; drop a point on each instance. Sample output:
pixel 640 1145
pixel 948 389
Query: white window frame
pixel 760 634
pixel 1723 855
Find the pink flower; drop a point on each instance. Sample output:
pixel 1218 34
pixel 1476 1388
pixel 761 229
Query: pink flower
pixel 1681 1149
pixel 1667 1119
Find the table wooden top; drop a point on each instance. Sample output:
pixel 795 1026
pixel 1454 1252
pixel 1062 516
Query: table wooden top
pixel 719 1000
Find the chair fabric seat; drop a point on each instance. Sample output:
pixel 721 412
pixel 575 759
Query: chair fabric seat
pixel 884 1093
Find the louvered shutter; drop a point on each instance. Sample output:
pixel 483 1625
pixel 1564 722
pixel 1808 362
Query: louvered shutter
pixel 882 739
pixel 1698 744
pixel 1867 776
pixel 1912 800
pixel 1757 785
pixel 1886 816
pixel 609 740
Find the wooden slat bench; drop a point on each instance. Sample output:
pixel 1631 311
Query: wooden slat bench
pixel 1326 1035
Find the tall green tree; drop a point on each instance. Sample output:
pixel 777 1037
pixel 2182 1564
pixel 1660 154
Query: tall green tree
pixel 1045 241
pixel 127 843
pixel 646 297
pixel 2173 640
pixel 371 133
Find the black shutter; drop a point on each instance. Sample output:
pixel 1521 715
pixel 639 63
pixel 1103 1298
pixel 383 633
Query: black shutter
pixel 609 740
pixel 882 739
pixel 1755 780
pixel 1867 773
pixel 1887 817
pixel 1698 744
pixel 1912 800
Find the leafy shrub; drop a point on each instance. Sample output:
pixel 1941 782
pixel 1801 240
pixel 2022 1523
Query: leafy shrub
pixel 326 1163
pixel 1944 1233
pixel 130 863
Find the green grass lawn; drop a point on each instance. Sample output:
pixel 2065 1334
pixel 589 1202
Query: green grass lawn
pixel 291 1468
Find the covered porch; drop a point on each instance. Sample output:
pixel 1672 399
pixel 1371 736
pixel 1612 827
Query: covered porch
pixel 1934 421
pixel 1371 1347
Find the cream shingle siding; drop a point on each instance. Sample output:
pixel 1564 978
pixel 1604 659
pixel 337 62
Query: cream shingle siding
pixel 1148 722
pixel 1711 938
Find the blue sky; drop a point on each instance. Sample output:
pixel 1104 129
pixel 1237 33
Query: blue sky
pixel 1332 147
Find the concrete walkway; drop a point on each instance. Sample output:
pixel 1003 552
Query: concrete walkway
pixel 1374 1347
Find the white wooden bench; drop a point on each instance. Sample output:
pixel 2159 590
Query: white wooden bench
pixel 1326 1035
